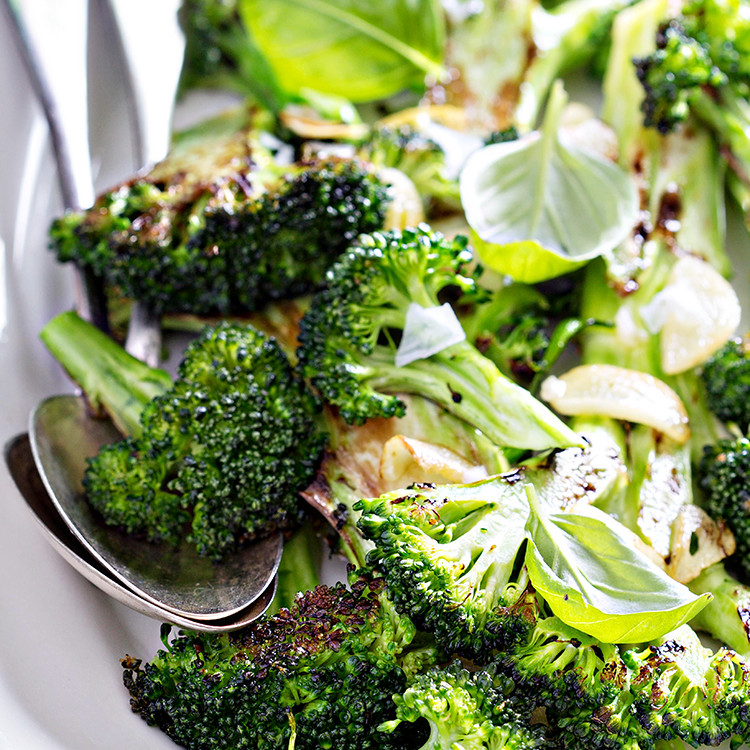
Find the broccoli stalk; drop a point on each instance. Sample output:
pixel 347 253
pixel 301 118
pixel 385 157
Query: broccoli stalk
pixel 223 224
pixel 322 672
pixel 348 343
pixel 225 448
pixel 699 72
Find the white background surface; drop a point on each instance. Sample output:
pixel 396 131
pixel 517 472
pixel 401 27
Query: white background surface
pixel 60 638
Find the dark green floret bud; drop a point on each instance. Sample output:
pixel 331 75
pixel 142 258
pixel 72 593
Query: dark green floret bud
pixel 724 477
pixel 726 377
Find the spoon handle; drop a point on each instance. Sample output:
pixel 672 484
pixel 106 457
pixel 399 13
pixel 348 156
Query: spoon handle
pixel 51 38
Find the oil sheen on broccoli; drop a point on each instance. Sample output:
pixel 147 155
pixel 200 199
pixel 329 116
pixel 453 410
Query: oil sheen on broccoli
pixel 221 225
pixel 221 452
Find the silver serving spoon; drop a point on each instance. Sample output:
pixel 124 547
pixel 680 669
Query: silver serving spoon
pixel 63 435
pixel 20 462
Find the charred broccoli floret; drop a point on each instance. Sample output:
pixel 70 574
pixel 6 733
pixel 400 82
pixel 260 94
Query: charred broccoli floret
pixel 376 294
pixel 321 674
pixel 227 447
pixel 598 695
pixel 219 226
pixel 466 709
pixel 700 54
pixel 450 554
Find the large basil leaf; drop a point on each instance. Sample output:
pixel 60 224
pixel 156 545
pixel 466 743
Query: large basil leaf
pixel 585 566
pixel 358 49
pixel 538 208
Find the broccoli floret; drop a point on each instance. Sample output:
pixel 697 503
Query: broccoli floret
pixel 701 53
pixel 599 695
pixel 350 336
pixel 726 376
pixel 321 674
pixel 420 158
pixel 450 553
pixel 581 684
pixel 724 477
pixel 219 226
pixel 227 446
pixel 466 709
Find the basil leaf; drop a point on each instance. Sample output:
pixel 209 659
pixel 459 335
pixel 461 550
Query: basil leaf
pixel 538 209
pixel 357 49
pixel 586 568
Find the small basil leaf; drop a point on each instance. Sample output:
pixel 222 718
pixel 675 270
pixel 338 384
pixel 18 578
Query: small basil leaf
pixel 585 566
pixel 351 48
pixel 538 208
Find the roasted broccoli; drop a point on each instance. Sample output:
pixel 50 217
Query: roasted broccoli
pixel 226 448
pixel 726 377
pixel 466 709
pixel 371 309
pixel 420 158
pixel 220 226
pixel 724 477
pixel 450 553
pixel 598 695
pixel 699 72
pixel 321 674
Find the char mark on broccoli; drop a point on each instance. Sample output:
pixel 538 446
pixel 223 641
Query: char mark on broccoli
pixel 219 227
pixel 329 665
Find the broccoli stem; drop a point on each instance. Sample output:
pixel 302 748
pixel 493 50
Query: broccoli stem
pixel 459 379
pixel 727 617
pixel 111 378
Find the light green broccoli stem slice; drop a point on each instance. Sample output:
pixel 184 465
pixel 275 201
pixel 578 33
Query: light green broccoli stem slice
pixel 111 378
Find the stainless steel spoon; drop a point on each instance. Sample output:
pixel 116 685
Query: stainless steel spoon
pixel 63 435
pixel 20 462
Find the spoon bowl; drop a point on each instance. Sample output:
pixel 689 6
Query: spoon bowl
pixel 22 469
pixel 63 435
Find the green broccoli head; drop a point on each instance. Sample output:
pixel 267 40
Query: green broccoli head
pixel 466 709
pixel 724 477
pixel 452 554
pixel 597 695
pixel 374 297
pixel 420 158
pixel 726 377
pixel 228 447
pixel 323 672
pixel 704 49
pixel 683 690
pixel 219 226
pixel 580 683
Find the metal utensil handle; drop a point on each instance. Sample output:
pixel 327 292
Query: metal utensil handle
pixel 75 183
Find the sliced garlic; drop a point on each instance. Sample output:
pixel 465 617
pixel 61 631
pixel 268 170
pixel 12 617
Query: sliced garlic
pixel 405 208
pixel 617 392
pixel 696 313
pixel 697 542
pixel 406 460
